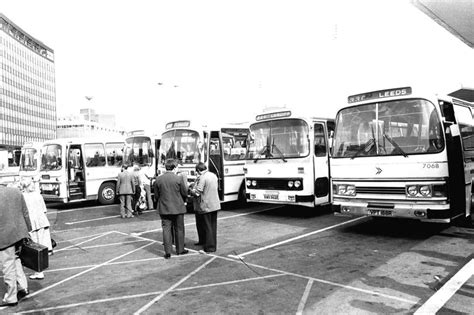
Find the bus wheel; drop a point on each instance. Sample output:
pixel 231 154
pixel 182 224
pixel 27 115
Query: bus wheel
pixel 242 199
pixel 107 194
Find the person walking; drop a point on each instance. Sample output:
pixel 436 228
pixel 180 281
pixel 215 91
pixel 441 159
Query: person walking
pixel 40 232
pixel 206 204
pixel 14 227
pixel 170 193
pixel 125 191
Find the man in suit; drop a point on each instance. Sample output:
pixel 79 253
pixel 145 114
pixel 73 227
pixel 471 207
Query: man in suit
pixel 171 191
pixel 206 204
pixel 125 191
pixel 14 226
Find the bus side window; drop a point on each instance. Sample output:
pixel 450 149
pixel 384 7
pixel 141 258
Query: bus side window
pixel 95 155
pixel 319 140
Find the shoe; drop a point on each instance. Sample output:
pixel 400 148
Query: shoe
pixel 131 216
pixel 184 252
pixel 123 217
pixel 209 250
pixel 167 256
pixel 22 293
pixel 198 244
pixel 37 276
pixel 50 252
pixel 9 304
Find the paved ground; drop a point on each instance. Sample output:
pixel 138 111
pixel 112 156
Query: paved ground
pixel 270 260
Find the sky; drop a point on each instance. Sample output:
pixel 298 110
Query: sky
pixel 153 61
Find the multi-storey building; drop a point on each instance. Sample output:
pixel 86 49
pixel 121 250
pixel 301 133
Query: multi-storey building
pixel 27 92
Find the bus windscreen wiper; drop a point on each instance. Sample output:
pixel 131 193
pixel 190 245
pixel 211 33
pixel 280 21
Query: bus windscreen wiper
pixel 282 156
pixel 366 148
pixel 265 150
pixel 392 142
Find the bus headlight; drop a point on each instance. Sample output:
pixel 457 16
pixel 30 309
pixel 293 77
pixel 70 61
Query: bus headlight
pixel 425 190
pixel 254 183
pixel 412 190
pixel 297 183
pixel 290 184
pixel 346 190
pixel 248 182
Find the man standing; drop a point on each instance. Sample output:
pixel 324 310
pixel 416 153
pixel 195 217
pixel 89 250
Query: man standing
pixel 170 192
pixel 206 205
pixel 125 190
pixel 14 226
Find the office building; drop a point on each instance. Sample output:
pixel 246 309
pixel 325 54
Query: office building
pixel 27 91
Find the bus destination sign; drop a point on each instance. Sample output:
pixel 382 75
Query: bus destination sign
pixel 379 94
pixel 178 124
pixel 286 113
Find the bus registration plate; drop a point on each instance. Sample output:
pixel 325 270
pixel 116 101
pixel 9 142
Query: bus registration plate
pixel 47 187
pixel 380 212
pixel 270 196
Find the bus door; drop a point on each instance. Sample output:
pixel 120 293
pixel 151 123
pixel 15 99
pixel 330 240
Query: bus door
pixel 216 160
pixel 75 169
pixel 321 164
pixel 156 157
pixel 459 186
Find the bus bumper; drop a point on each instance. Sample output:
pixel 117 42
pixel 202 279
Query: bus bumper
pixel 280 197
pixel 425 212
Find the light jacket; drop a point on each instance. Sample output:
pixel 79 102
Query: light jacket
pixel 125 184
pixel 207 195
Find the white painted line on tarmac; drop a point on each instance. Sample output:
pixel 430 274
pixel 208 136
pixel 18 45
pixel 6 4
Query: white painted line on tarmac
pixel 87 270
pixel 156 299
pixel 348 287
pixel 86 241
pixel 98 219
pixel 135 296
pixel 102 245
pixel 439 299
pixel 218 219
pixel 76 209
pixel 304 298
pixel 242 256
pixel 78 238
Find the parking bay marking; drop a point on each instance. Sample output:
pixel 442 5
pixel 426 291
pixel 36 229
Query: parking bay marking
pixel 439 299
pixel 242 256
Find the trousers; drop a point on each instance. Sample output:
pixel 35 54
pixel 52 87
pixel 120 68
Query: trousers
pixel 173 224
pixel 13 274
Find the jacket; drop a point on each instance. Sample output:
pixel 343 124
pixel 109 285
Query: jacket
pixel 125 184
pixel 14 219
pixel 207 193
pixel 170 192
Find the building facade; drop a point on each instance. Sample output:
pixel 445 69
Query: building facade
pixel 27 92
pixel 85 125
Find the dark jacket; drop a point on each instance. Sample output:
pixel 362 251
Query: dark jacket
pixel 14 219
pixel 170 191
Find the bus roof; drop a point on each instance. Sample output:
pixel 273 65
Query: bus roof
pixel 97 139
pixel 284 113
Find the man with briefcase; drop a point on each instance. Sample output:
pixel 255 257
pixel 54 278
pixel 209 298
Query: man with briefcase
pixel 14 227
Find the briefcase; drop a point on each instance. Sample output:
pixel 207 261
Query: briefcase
pixel 34 256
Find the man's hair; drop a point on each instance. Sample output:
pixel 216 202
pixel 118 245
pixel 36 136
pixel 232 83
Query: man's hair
pixel 125 166
pixel 200 167
pixel 170 164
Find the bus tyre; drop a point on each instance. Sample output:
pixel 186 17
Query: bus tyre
pixel 242 198
pixel 107 194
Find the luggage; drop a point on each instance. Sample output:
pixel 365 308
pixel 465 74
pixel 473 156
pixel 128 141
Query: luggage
pixel 34 256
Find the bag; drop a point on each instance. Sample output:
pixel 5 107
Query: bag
pixel 53 243
pixel 34 255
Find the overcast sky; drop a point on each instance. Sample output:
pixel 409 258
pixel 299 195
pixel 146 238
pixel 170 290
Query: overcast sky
pixel 227 60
